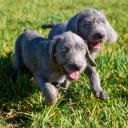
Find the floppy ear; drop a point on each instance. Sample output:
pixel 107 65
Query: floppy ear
pixel 52 46
pixel 52 49
pixel 72 25
pixel 112 36
pixel 89 58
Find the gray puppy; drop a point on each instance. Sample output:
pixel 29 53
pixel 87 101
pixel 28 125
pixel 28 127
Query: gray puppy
pixel 53 63
pixel 94 28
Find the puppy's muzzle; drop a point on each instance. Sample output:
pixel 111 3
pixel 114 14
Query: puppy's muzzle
pixel 99 36
pixel 75 67
pixel 73 70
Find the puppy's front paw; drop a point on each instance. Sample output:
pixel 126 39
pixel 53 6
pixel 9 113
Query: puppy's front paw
pixel 51 94
pixel 50 102
pixel 101 94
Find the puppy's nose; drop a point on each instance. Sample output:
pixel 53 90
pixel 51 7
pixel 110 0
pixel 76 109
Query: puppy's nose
pixel 99 35
pixel 75 67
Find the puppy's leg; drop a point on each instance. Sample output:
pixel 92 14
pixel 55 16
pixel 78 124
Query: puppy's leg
pixel 65 85
pixel 49 91
pixel 95 82
pixel 16 66
pixel 17 62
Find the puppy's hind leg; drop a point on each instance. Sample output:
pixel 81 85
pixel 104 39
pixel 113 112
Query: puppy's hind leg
pixel 17 62
pixel 16 66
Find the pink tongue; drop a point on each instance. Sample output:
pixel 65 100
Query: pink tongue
pixel 95 45
pixel 74 75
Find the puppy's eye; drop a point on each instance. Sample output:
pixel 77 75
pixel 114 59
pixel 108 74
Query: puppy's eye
pixel 88 23
pixel 64 50
pixel 102 20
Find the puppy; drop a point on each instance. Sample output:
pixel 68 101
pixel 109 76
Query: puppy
pixel 53 63
pixel 93 26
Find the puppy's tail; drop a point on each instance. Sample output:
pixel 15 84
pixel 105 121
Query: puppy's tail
pixel 45 26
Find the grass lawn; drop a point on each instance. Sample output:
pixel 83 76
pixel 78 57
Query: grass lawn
pixel 21 103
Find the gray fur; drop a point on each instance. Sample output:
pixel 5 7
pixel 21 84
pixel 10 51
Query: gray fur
pixel 51 61
pixel 86 24
pixel 93 26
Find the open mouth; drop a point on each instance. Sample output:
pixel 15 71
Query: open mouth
pixel 95 45
pixel 74 75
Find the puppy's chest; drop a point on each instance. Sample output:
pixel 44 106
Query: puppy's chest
pixel 56 77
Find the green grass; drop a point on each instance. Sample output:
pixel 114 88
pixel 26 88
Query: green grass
pixel 21 103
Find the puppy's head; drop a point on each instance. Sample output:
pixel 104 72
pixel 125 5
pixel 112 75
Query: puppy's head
pixel 92 26
pixel 71 53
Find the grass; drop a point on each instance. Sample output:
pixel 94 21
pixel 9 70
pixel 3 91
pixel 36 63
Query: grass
pixel 21 103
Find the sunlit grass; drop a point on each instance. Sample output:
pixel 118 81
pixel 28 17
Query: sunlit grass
pixel 21 103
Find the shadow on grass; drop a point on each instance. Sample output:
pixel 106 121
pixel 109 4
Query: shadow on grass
pixel 13 94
